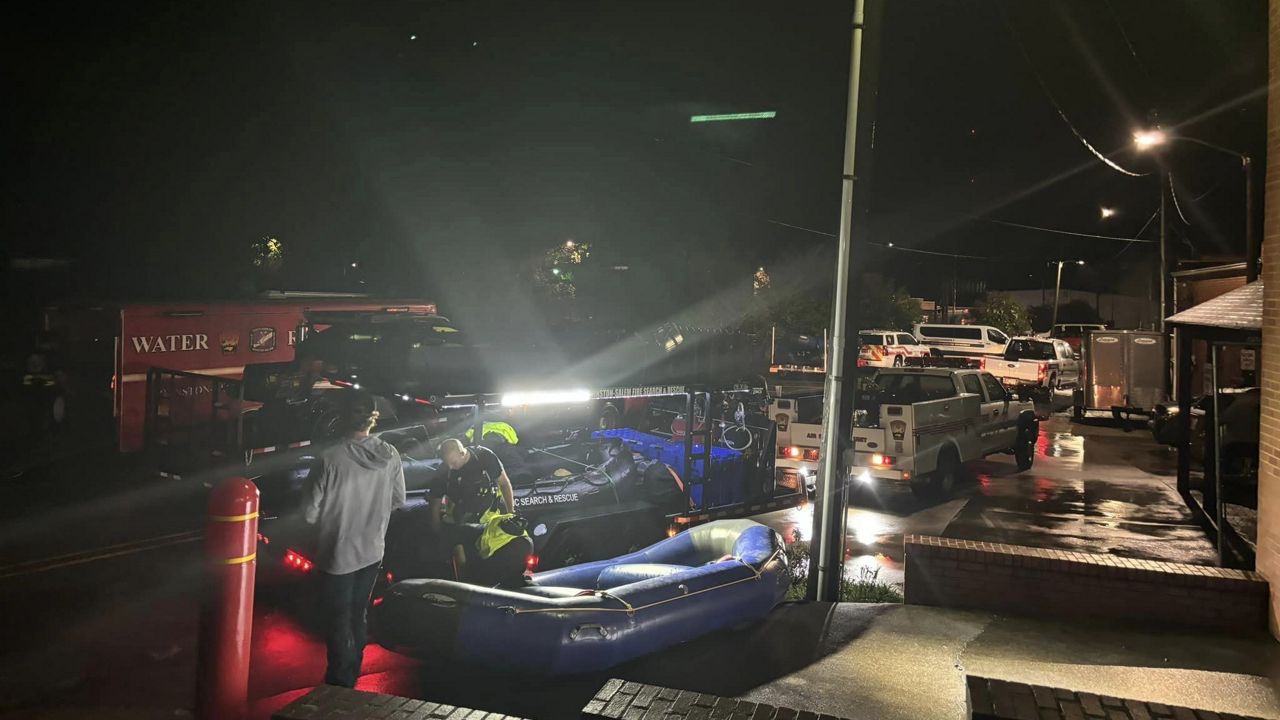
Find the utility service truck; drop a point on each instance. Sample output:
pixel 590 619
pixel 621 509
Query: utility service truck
pixel 915 427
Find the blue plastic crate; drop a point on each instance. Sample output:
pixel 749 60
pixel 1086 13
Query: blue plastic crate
pixel 726 464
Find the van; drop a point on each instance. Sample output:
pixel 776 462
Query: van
pixel 963 340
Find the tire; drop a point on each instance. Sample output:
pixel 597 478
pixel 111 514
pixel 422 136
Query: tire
pixel 1077 412
pixel 1024 452
pixel 943 480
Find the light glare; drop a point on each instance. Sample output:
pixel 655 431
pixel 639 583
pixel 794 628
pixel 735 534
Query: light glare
pixel 545 397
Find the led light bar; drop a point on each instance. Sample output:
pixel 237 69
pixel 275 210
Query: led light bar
pixel 545 397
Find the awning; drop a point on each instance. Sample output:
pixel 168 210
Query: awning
pixel 1240 309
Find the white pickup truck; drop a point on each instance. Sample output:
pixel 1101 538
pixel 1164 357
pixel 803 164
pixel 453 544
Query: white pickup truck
pixel 917 426
pixel 1035 364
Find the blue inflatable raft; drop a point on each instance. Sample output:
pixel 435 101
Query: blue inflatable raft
pixel 596 615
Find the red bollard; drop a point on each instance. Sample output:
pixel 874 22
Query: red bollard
pixel 226 614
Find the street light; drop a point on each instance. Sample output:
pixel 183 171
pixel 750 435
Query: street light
pixel 1147 139
pixel 1057 288
pixel 1107 212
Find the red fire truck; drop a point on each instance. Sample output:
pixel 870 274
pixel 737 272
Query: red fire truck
pixel 210 338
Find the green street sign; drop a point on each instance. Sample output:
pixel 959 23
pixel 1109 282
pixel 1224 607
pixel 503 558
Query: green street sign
pixel 734 116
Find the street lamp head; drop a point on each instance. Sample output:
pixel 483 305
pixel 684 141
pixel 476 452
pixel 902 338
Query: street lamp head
pixel 1079 262
pixel 1107 212
pixel 1147 139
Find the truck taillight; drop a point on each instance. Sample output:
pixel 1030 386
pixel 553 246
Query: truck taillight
pixel 899 429
pixel 1042 372
pixel 982 363
pixel 295 560
pixel 790 452
pixel 811 454
pixel 883 460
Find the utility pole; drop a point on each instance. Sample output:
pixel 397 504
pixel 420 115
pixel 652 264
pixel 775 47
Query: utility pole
pixel 1057 293
pixel 826 561
pixel 1163 272
pixel 1251 249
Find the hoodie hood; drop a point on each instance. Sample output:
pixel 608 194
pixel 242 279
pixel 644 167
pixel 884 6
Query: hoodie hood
pixel 370 452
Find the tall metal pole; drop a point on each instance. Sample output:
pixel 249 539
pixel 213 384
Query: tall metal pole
pixel 827 543
pixel 1164 268
pixel 1251 249
pixel 1057 292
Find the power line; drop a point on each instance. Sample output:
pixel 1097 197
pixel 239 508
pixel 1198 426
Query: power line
pixel 1069 232
pixel 1053 101
pixel 1176 205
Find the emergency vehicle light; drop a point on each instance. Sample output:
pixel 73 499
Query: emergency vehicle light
pixel 545 397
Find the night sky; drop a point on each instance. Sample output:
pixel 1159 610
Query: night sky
pixel 442 145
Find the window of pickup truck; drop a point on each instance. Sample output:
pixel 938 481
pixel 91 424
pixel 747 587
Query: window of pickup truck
pixel 972 384
pixel 1029 350
pixel 907 388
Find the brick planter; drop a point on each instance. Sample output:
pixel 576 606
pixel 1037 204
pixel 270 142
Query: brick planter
pixel 1061 584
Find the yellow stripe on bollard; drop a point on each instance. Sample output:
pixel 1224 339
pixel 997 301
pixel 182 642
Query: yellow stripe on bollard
pixel 233 518
pixel 240 560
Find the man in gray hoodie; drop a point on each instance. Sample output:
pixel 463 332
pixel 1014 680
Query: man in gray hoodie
pixel 351 502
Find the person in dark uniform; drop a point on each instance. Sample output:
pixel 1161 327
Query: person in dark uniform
pixel 472 510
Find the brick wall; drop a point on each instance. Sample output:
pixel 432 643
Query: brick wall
pixel 1268 561
pixel 1061 584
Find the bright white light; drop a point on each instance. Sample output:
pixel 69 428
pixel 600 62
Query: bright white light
pixel 865 477
pixel 568 243
pixel 1146 139
pixel 890 244
pixel 555 271
pixel 413 37
pixel 1107 212
pixel 866 528
pixel 1079 262
pixel 545 397
pixel 405 398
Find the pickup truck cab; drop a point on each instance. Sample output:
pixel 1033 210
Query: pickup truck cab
pixel 1036 365
pixel 889 348
pixel 915 427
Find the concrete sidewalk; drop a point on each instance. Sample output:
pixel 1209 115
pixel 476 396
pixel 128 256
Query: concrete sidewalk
pixel 888 662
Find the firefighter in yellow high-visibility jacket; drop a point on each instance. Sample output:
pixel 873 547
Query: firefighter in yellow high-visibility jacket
pixel 487 540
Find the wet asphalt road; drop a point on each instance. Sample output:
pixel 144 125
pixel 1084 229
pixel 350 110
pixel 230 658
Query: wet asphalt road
pixel 99 568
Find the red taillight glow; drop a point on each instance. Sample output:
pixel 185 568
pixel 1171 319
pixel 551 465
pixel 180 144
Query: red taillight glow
pixel 378 601
pixel 811 454
pixel 531 563
pixel 878 459
pixel 1042 371
pixel 264 539
pixel 390 578
pixel 791 452
pixel 296 561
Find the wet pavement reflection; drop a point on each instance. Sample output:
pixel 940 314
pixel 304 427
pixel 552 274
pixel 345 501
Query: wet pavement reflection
pixel 1095 487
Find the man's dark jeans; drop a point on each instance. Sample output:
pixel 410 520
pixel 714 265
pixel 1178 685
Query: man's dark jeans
pixel 346 605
